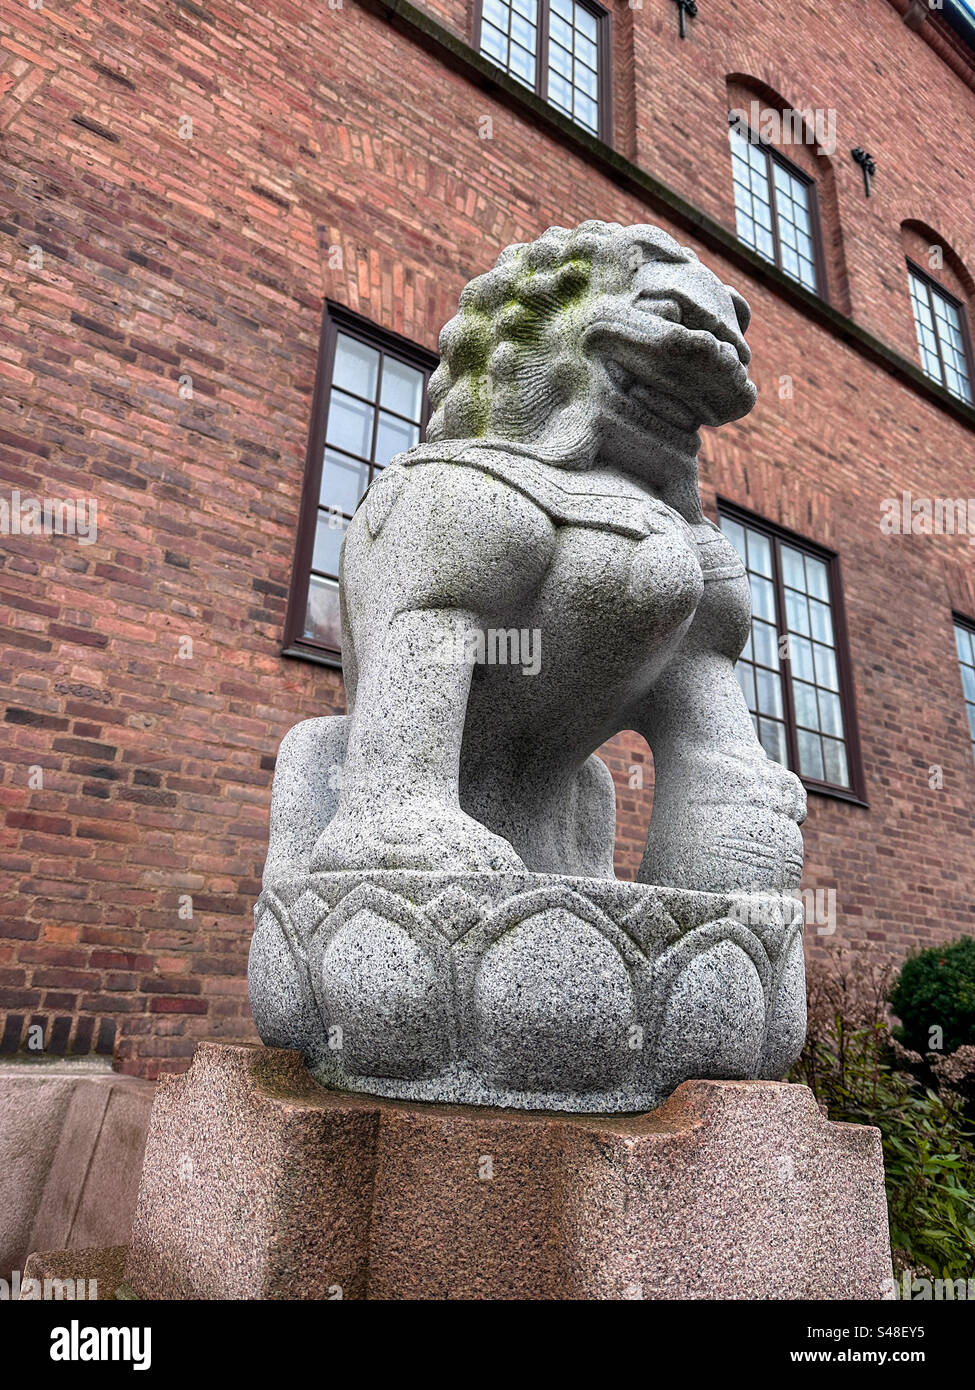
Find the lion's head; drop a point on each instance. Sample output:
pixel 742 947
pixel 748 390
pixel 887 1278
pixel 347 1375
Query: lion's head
pixel 604 342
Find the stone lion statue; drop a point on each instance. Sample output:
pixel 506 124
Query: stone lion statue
pixel 538 576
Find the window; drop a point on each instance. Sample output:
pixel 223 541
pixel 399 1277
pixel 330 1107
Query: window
pixel 793 669
pixel 965 641
pixel 370 403
pixel 775 210
pixel 942 334
pixel 558 48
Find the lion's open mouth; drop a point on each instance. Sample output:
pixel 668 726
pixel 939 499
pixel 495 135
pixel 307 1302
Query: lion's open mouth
pixel 650 401
pixel 673 364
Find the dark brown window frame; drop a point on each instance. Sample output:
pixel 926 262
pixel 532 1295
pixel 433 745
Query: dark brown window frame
pixel 336 318
pixel 931 283
pixel 856 792
pixel 962 620
pixel 772 152
pixel 604 61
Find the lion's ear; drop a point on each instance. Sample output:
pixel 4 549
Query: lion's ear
pixel 742 311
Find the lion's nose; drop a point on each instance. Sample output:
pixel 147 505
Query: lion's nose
pixel 710 320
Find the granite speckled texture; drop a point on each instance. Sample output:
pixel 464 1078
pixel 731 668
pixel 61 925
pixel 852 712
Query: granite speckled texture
pixel 532 991
pixel 93 1274
pixel 534 578
pixel 260 1184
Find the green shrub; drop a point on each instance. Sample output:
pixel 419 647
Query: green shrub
pixel 936 989
pixel 862 1075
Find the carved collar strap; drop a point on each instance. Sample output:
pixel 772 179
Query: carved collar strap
pixel 566 497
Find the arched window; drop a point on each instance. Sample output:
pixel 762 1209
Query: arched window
pixel 783 188
pixel 940 290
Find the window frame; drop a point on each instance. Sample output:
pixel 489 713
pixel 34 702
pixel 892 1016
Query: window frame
pixel 336 319
pixel 930 283
pixel 604 64
pixel 773 153
pixel 968 624
pixel 776 534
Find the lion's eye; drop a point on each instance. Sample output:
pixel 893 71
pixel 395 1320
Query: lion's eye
pixel 648 253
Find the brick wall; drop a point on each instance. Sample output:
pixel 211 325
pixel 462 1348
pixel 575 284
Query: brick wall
pixel 172 178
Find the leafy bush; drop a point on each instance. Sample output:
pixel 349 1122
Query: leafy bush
pixel 936 989
pixel 863 1075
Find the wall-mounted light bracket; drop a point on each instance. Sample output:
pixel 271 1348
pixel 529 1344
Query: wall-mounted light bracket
pixel 868 164
pixel 684 8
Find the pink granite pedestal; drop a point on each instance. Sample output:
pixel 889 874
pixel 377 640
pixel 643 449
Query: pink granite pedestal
pixel 260 1184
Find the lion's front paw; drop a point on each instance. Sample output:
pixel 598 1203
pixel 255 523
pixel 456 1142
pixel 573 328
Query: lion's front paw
pixel 414 835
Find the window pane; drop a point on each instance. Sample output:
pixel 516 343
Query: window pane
pixel 804 696
pixel 329 535
pixel 769 691
pixel 763 598
pixel 816 579
pixel 356 366
pixel 402 389
pixel 349 424
pixel 392 437
pixel 586 112
pixel 494 44
pixel 585 50
pixel 735 534
pixel 585 81
pixel 793 568
pixel 561 34
pixel 834 760
pixel 322 622
pixel 820 621
pixel 811 755
pixel 797 612
pixel 801 654
pixel 765 644
pixel 344 480
pixel 965 642
pixel 968 682
pixel 825 661
pixel 522 32
pixel 759 553
pixel 521 63
pixel 585 22
pixel 772 738
pixel 830 713
pixel 560 92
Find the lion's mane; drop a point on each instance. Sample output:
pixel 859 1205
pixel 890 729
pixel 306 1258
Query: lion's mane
pixel 509 358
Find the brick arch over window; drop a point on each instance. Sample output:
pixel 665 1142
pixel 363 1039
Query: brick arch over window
pixel 920 242
pixel 742 91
